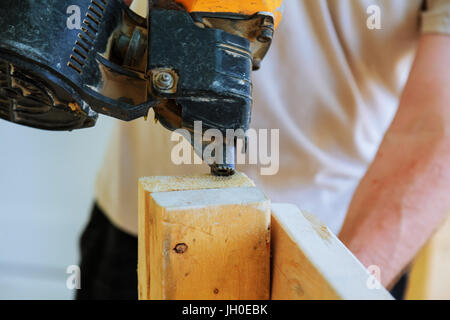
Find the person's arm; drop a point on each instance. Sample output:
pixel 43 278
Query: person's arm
pixel 405 193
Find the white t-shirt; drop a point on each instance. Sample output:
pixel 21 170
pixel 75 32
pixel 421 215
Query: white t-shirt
pixel 330 84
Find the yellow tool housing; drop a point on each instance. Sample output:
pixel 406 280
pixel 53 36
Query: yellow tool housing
pixel 274 7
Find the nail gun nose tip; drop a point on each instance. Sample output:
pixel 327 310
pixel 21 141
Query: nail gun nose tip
pixel 222 170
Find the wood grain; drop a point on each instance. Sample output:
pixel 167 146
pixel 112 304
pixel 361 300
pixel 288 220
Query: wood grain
pixel 211 243
pixel 309 262
pixel 429 278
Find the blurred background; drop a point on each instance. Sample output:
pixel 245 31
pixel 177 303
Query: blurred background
pixel 46 192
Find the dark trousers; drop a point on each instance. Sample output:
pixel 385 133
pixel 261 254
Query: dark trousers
pixel 109 262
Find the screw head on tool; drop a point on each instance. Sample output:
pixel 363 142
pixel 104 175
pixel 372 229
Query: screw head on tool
pixel 164 80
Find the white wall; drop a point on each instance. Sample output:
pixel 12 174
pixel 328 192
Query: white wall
pixel 46 193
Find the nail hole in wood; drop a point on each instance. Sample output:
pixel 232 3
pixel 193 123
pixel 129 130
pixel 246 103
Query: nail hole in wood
pixel 180 248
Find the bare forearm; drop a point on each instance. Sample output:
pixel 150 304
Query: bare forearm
pixel 405 194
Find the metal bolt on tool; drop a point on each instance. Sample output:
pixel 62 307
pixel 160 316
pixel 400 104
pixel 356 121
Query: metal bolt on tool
pixel 164 81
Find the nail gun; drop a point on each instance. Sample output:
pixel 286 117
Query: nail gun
pixel 189 60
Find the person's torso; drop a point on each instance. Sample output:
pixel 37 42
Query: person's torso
pixel 330 84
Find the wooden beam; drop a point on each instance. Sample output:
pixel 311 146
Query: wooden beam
pixel 429 278
pixel 309 262
pixel 203 237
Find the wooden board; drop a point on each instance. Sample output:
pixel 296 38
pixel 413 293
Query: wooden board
pixel 309 262
pixel 429 278
pixel 203 237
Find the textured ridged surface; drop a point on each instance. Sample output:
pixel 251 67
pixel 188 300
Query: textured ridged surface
pixel 26 100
